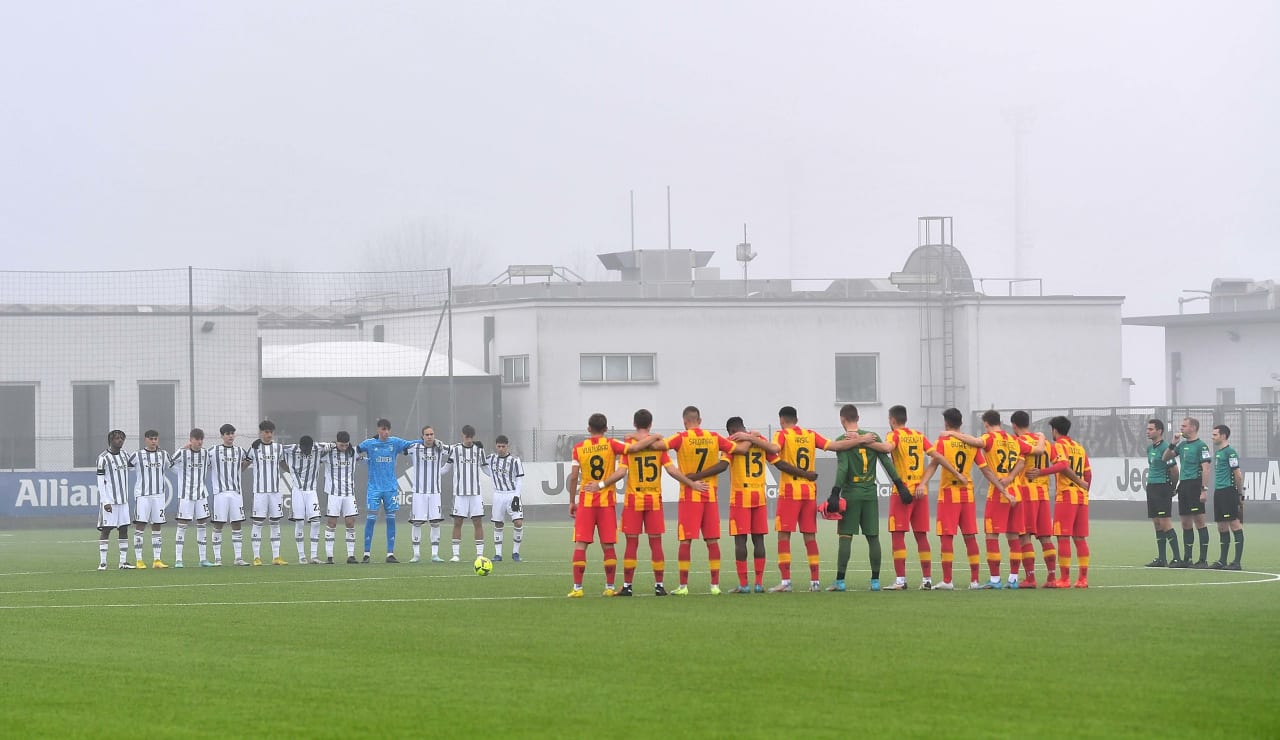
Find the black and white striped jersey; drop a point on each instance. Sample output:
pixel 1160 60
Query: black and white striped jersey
pixel 427 466
pixel 192 467
pixel 227 468
pixel 505 472
pixel 264 466
pixel 306 468
pixel 466 463
pixel 340 470
pixel 113 477
pixel 151 467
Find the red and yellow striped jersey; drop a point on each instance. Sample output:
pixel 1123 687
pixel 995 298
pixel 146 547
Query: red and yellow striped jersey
pixel 909 454
pixel 596 459
pixel 798 447
pixel 1039 487
pixel 963 456
pixel 1003 450
pixel 696 450
pixel 1066 448
pixel 644 478
pixel 747 479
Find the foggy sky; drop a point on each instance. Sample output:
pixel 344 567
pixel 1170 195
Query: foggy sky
pixel 311 135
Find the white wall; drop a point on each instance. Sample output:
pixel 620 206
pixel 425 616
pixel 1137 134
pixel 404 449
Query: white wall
pixel 1211 359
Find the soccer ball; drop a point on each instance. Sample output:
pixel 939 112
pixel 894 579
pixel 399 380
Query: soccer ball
pixel 484 566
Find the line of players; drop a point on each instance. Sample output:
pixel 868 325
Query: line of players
pixel 1018 466
pixel 210 480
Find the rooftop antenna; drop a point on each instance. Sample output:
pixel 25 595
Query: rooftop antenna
pixel 668 217
pixel 745 255
pixel 633 220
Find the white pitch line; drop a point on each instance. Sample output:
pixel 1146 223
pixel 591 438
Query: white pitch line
pixel 30 573
pixel 1271 578
pixel 145 587
pixel 282 603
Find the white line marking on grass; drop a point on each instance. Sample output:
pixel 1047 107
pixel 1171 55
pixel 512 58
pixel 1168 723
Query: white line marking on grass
pixel 1271 578
pixel 282 603
pixel 143 587
pixel 29 573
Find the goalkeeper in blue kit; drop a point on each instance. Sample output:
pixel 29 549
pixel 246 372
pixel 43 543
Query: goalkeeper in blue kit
pixel 382 488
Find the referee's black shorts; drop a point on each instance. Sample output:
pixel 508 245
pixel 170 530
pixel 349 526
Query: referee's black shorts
pixel 1159 500
pixel 1189 502
pixel 1226 504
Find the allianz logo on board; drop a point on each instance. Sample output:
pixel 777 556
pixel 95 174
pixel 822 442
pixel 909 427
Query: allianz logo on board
pixel 41 493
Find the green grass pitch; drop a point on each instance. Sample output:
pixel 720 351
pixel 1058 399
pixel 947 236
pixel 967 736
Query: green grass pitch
pixel 412 650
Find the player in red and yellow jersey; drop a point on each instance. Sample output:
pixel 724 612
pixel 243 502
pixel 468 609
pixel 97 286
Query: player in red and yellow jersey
pixel 748 508
pixel 792 453
pixel 910 450
pixel 594 507
pixel 1037 514
pixel 1003 512
pixel 642 501
pixel 700 455
pixel 955 498
pixel 1070 463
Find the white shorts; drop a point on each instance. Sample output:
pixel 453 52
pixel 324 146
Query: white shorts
pixel 340 506
pixel 228 506
pixel 425 507
pixel 304 505
pixel 268 505
pixel 193 508
pixel 502 510
pixel 117 517
pixel 468 506
pixel 148 509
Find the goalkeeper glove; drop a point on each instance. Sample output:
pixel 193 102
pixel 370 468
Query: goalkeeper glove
pixel 903 492
pixel 833 507
pixel 515 503
pixel 256 444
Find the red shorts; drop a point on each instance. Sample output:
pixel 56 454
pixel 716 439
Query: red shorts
pixel 793 514
pixel 698 519
pixel 953 516
pixel 1071 520
pixel 1002 517
pixel 650 521
pixel 1037 517
pixel 590 518
pixel 914 515
pixel 744 520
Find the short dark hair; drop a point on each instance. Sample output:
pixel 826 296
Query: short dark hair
pixel 1194 422
pixel 384 423
pixel 690 411
pixel 151 434
pixel 305 444
pixel 597 423
pixel 468 430
pixel 991 416
pixel 196 433
pixel 425 428
pixel 788 413
pixel 116 433
pixel 849 412
pixel 1020 419
pixel 1061 425
pixel 898 413
pixel 226 429
pixel 267 425
pixel 642 418
pixel 735 424
pixel 952 418
pixel 501 439
pixel 342 437
pixel 1224 430
pixel 1158 424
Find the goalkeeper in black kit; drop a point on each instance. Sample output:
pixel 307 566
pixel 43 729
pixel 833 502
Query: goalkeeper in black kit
pixel 853 501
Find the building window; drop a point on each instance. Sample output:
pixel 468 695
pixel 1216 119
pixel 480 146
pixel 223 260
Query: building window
pixel 90 422
pixel 618 368
pixel 858 378
pixel 515 370
pixel 156 411
pixel 18 433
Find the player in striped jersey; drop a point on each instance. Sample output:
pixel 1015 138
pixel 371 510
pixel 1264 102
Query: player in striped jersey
pixel 303 460
pixel 468 463
pixel 228 502
pixel 507 473
pixel 427 459
pixel 151 491
pixel 702 456
pixel 192 464
pixel 748 508
pixel 339 460
pixel 1070 464
pixel 266 462
pixel 113 498
pixel 593 500
pixel 1037 516
pixel 1003 512
pixel 642 500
